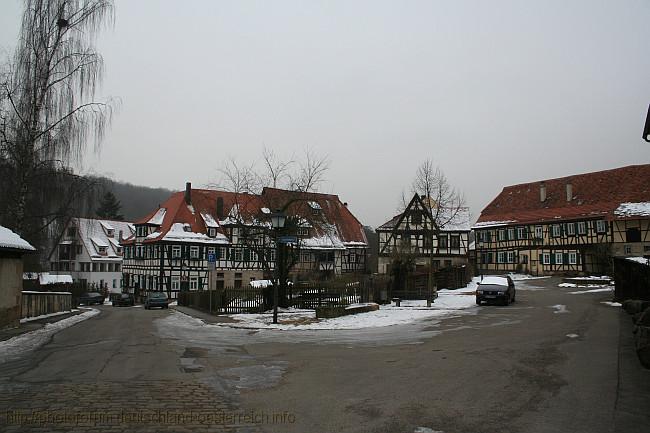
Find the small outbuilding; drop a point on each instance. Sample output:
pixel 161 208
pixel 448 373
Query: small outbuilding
pixel 12 249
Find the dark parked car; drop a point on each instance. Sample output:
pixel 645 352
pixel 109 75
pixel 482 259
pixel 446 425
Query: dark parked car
pixel 91 298
pixel 496 289
pixel 123 299
pixel 156 299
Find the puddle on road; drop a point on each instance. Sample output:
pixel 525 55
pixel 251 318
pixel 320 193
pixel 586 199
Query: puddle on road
pixel 255 376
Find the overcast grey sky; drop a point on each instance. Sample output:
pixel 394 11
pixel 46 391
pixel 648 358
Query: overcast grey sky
pixel 495 92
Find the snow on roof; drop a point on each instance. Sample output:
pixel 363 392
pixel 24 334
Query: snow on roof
pixel 456 220
pixel 266 210
pixel 177 233
pixel 486 224
pixel 325 242
pixel 314 205
pixel 209 220
pixel 99 242
pixel 158 217
pixel 499 281
pixel 11 240
pixel 633 209
pixel 106 225
pixel 45 278
pixel 93 236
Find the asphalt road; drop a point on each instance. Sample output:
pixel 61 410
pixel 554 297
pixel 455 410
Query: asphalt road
pixel 529 367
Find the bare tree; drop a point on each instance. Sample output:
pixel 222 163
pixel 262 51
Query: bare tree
pixel 47 112
pixel 443 201
pixel 311 172
pixel 276 168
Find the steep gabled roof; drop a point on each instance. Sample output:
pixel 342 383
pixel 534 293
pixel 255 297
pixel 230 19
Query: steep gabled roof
pixel 218 209
pixel 93 233
pixel 449 219
pixel 597 194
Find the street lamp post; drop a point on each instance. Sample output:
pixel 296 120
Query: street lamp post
pixel 278 219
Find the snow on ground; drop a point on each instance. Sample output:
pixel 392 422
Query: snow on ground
pixel 572 335
pixel 559 308
pixel 449 302
pixel 44 316
pixel 612 304
pixel 598 290
pixel 17 346
pixel 522 277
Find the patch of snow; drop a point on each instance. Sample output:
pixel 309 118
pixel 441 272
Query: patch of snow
pixel 260 284
pixel 18 346
pixel 522 277
pixel 485 224
pixel 601 289
pixel 210 222
pixel 191 209
pixel 153 235
pixel 45 278
pixel 454 219
pixel 323 242
pixel 449 303
pixel 559 309
pixel 314 205
pixel 572 335
pixel 158 217
pixel 266 210
pixel 9 239
pixel 44 316
pixel 612 304
pixel 633 209
pixel 99 242
pixel 106 225
pixel 177 233
pixel 641 260
pixel 37 292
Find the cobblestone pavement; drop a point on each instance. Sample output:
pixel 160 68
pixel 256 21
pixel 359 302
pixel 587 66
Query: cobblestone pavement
pixel 176 406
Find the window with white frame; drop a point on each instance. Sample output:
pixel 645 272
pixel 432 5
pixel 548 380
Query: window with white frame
pixel 571 229
pixel 546 259
pixel 176 283
pixel 501 257
pixel 511 256
pixel 601 226
pixel 176 251
pixel 303 231
pixel 212 232
pixel 194 283
pixel 582 227
pixel 305 257
pixel 194 252
pixel 138 251
pixel 556 230
pixel 352 258
pixel 627 249
pixel 558 258
pixel 211 250
pixel 238 256
pixel 539 232
pixel 222 253
pixel 573 258
pixel 521 233
pixel 502 235
pixel 511 233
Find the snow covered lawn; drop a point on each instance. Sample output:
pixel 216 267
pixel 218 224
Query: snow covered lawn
pixel 449 302
pixel 19 345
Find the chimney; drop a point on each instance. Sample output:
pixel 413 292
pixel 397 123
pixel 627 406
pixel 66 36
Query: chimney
pixel 569 191
pixel 345 204
pixel 121 234
pixel 219 207
pixel 542 192
pixel 188 192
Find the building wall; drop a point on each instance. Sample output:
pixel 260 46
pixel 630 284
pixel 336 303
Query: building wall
pixel 558 248
pixel 11 285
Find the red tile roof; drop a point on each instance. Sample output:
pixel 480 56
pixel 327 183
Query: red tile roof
pixel 204 201
pixel 595 194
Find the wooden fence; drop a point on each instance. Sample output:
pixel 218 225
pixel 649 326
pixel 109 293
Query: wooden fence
pixel 36 304
pixel 229 300
pixel 415 286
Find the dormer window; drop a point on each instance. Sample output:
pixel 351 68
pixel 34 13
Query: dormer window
pixel 141 231
pixel 119 250
pixel 212 232
pixel 303 231
pixel 187 228
pixel 102 250
pixel 110 233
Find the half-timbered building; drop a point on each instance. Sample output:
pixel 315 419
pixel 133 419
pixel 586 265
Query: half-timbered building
pixel 169 251
pixel 569 225
pixel 425 232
